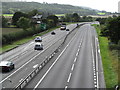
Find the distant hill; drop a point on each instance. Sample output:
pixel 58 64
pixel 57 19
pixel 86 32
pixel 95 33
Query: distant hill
pixel 12 7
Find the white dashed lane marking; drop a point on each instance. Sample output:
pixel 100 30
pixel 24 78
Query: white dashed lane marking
pixel 69 77
pixel 75 59
pixel 72 67
pixel 66 87
pixel 35 66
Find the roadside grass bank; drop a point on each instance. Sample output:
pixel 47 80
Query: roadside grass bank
pixel 8 47
pixel 109 60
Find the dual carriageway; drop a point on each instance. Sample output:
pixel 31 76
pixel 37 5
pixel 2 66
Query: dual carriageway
pixel 70 59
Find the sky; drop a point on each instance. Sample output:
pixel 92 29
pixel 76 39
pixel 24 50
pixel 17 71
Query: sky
pixel 106 5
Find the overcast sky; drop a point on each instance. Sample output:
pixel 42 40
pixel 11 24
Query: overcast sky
pixel 107 5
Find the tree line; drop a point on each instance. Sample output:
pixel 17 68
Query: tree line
pixel 12 7
pixel 25 21
pixel 111 29
pixel 30 27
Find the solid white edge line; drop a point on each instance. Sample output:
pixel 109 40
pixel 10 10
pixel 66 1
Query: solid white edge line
pixel 52 64
pixel 48 70
pixel 96 60
pixel 24 64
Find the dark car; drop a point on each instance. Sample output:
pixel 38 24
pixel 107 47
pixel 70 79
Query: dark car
pixel 38 39
pixel 53 33
pixel 6 66
pixel 38 46
pixel 67 30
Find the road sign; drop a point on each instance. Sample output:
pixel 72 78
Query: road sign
pixel 43 26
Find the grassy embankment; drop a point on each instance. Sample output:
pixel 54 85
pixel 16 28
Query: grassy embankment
pixel 109 60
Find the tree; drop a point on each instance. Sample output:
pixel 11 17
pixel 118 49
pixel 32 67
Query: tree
pixel 89 18
pixel 4 22
pixel 16 17
pixel 54 18
pixel 62 19
pixel 75 17
pixel 113 27
pixel 101 20
pixel 23 23
pixel 33 13
pixel 68 17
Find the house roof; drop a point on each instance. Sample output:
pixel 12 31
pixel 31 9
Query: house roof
pixel 37 16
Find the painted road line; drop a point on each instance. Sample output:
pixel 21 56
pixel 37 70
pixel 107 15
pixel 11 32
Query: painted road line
pixel 75 59
pixel 76 54
pixel 72 67
pixel 35 66
pixel 69 77
pixel 52 64
pixel 96 60
pixel 25 64
pixel 66 87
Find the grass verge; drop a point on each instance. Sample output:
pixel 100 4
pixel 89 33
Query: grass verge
pixel 109 61
pixel 22 41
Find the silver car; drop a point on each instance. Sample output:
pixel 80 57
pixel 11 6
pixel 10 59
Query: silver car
pixel 38 46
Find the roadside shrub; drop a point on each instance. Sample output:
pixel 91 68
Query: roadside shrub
pixel 114 47
pixel 9 38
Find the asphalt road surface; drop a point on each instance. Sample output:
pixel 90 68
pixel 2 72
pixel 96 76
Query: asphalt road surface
pixel 27 59
pixel 78 65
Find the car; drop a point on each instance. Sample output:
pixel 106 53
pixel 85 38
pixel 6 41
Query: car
pixel 38 46
pixel 67 30
pixel 38 39
pixel 53 33
pixel 62 27
pixel 77 24
pixel 6 66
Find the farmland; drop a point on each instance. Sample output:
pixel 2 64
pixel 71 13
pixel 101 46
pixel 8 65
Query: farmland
pixel 10 30
pixel 7 15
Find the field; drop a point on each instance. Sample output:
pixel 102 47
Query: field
pixel 60 15
pixel 101 13
pixel 7 15
pixel 9 30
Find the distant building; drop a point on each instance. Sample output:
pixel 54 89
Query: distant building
pixel 37 19
pixel 119 7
